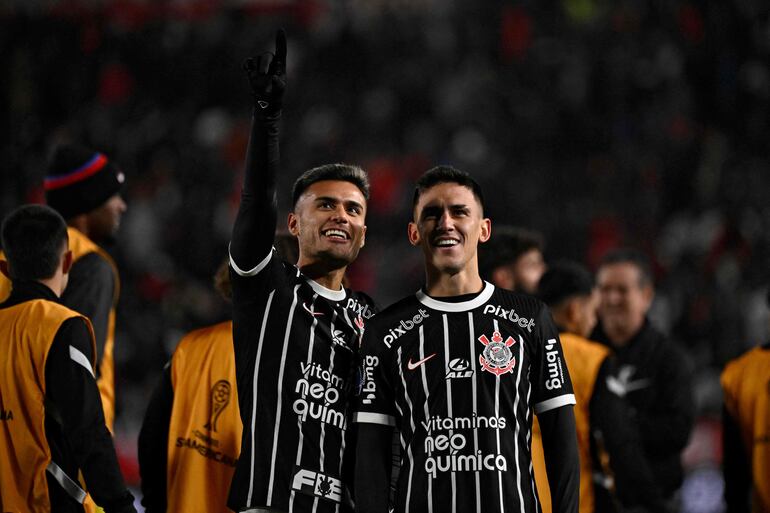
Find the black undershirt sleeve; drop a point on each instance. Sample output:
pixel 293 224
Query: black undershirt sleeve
pixel 71 390
pixel 373 468
pixel 153 445
pixel 737 467
pixel 634 481
pixel 562 461
pixel 90 291
pixel 254 228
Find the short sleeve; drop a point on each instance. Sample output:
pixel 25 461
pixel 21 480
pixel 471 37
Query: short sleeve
pixel 551 384
pixel 375 401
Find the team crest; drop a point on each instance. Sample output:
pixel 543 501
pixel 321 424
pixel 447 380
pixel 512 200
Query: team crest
pixel 497 357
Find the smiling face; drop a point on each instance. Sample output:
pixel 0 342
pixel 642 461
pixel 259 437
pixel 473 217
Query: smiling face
pixel 624 300
pixel 329 223
pixel 448 226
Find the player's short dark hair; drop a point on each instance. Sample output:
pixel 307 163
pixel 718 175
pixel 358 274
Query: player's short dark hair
pixel 33 237
pixel 505 246
pixel 342 172
pixel 564 280
pixel 633 257
pixel 446 174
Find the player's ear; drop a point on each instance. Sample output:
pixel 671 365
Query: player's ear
pixel 292 224
pixel 363 236
pixel 4 269
pixel 413 234
pixel 486 230
pixel 66 262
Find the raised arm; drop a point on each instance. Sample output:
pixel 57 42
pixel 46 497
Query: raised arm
pixel 254 227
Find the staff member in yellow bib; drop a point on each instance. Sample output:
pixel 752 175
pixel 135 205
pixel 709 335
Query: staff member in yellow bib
pixel 746 431
pixel 191 434
pixel 611 459
pixel 51 421
pixel 84 187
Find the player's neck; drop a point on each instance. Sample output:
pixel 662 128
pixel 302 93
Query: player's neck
pixel 328 278
pixel 80 223
pixel 440 284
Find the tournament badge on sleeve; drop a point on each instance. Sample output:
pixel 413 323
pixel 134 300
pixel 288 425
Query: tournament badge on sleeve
pixel 497 357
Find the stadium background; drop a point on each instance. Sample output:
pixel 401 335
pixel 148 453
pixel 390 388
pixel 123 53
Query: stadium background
pixel 599 123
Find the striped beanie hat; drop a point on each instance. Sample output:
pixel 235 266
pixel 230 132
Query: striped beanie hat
pixel 80 180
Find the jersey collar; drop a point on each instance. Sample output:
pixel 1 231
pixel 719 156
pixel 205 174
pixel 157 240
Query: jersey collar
pixel 332 295
pixel 464 306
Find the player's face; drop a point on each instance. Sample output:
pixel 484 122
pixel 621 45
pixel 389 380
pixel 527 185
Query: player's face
pixel 329 223
pixel 624 301
pixel 104 221
pixel 528 269
pixel 448 226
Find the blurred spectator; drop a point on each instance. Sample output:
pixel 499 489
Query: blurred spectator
pixel 513 259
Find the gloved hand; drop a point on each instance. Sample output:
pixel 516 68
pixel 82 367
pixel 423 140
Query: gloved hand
pixel 267 77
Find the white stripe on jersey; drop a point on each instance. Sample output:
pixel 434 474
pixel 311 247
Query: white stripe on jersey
pixel 527 419
pixel 554 402
pixel 309 359
pixel 472 332
pixel 449 405
pixel 250 272
pixel 279 402
pixel 497 429
pixel 374 418
pixel 518 428
pixel 427 412
pixel 254 396
pixel 412 424
pixel 77 356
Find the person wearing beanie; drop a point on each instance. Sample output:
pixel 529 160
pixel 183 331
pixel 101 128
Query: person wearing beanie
pixel 84 186
pixel 51 423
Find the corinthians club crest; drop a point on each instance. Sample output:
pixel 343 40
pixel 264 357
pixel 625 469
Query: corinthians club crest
pixel 497 357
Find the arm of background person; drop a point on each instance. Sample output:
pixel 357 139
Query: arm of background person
pixel 90 291
pixel 71 388
pixel 610 420
pixel 562 461
pixel 153 445
pixel 373 467
pixel 736 466
pixel 667 427
pixel 255 223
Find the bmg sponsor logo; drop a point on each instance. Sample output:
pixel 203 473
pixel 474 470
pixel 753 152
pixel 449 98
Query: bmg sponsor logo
pixel 402 327
pixel 555 371
pixel 510 315
pixel 369 387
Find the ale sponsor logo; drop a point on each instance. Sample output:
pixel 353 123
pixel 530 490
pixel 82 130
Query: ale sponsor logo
pixel 459 368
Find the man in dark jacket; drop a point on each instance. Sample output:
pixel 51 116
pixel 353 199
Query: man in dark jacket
pixel 652 374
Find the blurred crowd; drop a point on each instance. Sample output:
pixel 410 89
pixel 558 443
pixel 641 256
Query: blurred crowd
pixel 640 123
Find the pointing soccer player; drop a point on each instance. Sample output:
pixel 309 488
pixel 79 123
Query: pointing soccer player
pixel 460 368
pixel 295 328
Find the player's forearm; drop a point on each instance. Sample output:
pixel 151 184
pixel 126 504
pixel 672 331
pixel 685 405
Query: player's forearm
pixel 255 223
pixel 373 466
pixel 562 461
pixel 153 446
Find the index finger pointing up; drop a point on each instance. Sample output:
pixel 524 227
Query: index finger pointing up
pixel 280 52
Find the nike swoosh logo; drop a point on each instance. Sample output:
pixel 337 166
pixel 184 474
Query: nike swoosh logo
pixel 622 388
pixel 413 365
pixel 311 312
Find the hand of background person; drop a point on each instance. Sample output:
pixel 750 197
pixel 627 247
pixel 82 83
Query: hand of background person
pixel 267 77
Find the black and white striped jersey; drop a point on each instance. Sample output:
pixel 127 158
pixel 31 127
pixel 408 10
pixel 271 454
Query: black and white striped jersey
pixel 296 348
pixel 461 381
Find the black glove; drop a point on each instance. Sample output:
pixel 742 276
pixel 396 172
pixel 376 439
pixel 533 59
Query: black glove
pixel 267 76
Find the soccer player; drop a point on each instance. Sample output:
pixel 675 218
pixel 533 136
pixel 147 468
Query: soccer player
pixel 460 368
pixel 513 259
pixel 296 329
pixel 610 451
pixel 51 421
pixel 84 187
pixel 746 431
pixel 653 375
pixel 191 434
